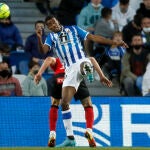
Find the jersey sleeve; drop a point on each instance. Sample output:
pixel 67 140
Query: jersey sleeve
pixel 49 40
pixel 81 33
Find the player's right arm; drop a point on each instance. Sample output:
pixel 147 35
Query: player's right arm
pixel 49 61
pixel 43 48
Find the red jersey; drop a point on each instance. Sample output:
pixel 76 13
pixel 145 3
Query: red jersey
pixel 58 67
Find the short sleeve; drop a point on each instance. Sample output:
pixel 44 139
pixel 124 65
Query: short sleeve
pixel 49 40
pixel 81 33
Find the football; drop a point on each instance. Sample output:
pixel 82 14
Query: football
pixel 4 11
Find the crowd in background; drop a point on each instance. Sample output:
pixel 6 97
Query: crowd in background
pixel 114 19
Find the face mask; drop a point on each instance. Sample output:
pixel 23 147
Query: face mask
pixel 137 47
pixel 5 73
pixel 123 10
pixel 146 30
pixel 35 71
pixel 96 6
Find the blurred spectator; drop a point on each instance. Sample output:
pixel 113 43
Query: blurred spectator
pixel 133 67
pixel 29 87
pixel 113 65
pixel 31 44
pixel 145 24
pixel 146 81
pixel 89 15
pixel 4 52
pixel 109 3
pixel 132 28
pixel 68 10
pixel 144 8
pixel 135 4
pixel 10 35
pixel 9 85
pixel 87 20
pixel 42 5
pixel 122 14
pixel 104 26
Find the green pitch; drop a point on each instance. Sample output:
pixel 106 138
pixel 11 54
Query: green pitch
pixel 76 148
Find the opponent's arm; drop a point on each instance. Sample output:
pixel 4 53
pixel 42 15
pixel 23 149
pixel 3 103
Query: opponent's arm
pixel 103 78
pixel 49 61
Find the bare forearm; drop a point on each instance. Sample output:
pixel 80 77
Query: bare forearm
pixel 97 67
pixel 44 66
pixel 41 46
pixel 100 39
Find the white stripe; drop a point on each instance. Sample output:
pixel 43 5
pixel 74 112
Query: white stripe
pixel 67 50
pixel 80 129
pixel 79 44
pixel 73 46
pixel 66 111
pixel 60 49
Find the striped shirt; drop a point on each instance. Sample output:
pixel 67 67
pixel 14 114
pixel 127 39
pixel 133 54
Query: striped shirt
pixel 67 43
pixel 10 87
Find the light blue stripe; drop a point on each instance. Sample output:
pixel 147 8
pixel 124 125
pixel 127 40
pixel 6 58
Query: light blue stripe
pixel 65 54
pixel 57 48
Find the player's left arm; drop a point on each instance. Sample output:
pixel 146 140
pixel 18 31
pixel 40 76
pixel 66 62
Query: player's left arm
pixel 103 40
pixel 98 69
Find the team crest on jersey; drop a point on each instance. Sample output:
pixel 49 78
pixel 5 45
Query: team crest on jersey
pixel 63 38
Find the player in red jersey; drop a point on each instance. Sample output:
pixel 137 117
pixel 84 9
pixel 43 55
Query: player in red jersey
pixel 82 94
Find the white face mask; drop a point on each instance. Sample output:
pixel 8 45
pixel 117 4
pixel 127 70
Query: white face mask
pixel 96 6
pixel 146 30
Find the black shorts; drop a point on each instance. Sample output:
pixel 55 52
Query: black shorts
pixel 82 91
pixel 55 88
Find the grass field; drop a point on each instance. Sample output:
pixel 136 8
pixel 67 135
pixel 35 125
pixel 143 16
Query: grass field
pixel 77 148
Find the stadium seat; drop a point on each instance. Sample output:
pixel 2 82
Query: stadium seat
pixel 20 60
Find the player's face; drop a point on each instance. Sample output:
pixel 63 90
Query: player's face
pixel 53 25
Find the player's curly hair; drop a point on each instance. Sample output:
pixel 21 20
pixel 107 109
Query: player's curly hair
pixel 50 17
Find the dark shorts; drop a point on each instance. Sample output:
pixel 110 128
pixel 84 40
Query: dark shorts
pixel 55 88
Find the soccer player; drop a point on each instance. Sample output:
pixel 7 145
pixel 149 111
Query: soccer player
pixel 67 43
pixel 82 94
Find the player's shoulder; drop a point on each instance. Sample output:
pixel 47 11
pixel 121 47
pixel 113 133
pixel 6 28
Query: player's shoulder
pixel 69 27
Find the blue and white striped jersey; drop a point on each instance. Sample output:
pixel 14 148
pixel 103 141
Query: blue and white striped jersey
pixel 67 44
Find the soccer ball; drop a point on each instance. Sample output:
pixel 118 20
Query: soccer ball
pixel 4 11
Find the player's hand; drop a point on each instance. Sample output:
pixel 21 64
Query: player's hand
pixel 37 78
pixel 121 43
pixel 39 32
pixel 106 81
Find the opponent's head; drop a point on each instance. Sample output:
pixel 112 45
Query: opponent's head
pixel 53 24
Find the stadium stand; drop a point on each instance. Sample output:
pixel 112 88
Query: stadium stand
pixel 24 15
